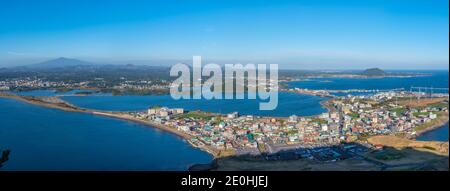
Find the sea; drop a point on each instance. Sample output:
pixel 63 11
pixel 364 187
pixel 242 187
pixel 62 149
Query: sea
pixel 49 139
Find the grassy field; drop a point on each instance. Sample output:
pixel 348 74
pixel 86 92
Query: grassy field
pixel 422 102
pixel 416 114
pixel 198 115
pixel 436 147
pixel 398 110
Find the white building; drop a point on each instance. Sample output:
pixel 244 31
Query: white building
pixel 432 115
pixel 152 111
pixel 293 119
pixel 233 115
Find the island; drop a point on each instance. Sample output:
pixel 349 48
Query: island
pixel 373 72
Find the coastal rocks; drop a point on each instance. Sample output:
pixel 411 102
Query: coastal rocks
pixel 203 167
pixel 4 157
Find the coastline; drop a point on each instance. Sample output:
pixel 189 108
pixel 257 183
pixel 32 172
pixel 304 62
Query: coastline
pixel 64 106
pixel 359 76
pixel 442 121
pixel 56 103
pixel 165 128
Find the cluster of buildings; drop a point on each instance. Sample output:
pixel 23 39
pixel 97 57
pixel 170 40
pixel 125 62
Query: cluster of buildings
pixel 33 83
pixel 143 85
pixel 160 113
pixel 4 88
pixel 38 83
pixel 247 134
pixel 324 154
pixel 321 93
pixel 349 118
pixel 381 114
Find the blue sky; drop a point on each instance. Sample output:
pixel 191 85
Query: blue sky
pixel 318 34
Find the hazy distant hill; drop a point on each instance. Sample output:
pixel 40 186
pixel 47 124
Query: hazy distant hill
pixel 59 63
pixel 78 70
pixel 373 72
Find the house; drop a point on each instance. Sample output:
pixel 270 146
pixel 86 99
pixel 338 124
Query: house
pixel 152 111
pixel 178 110
pixel 233 115
pixel 432 115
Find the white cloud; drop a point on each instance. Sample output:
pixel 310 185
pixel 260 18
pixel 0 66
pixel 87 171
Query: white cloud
pixel 14 53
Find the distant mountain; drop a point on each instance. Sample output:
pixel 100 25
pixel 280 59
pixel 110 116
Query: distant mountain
pixel 373 72
pixel 59 63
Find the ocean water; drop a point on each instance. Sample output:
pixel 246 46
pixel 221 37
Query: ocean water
pixel 43 93
pixel 440 134
pixel 288 104
pixel 48 139
pixel 438 79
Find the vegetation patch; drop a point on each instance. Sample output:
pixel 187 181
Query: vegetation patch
pixel 398 110
pixel 319 121
pixel 389 154
pixel 198 115
pixel 416 114
pixel 353 115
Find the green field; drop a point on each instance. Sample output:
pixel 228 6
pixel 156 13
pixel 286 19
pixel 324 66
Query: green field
pixel 198 115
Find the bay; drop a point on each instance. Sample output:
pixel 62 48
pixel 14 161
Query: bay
pixel 288 104
pixel 439 134
pixel 48 139
pixel 436 79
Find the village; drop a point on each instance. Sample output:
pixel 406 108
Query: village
pixel 334 135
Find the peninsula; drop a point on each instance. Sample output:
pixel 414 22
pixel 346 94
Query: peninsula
pixel 321 138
